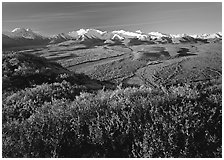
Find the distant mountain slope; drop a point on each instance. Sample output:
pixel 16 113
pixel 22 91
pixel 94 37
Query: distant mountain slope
pixel 23 37
pixel 7 41
pixel 92 37
pixel 60 38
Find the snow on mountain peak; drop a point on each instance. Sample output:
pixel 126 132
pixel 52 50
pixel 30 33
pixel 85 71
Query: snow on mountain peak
pixel 25 33
pixel 22 30
pixel 29 30
pixel 179 35
pixel 90 33
pixel 208 36
pixel 175 35
pixel 129 34
pixel 220 33
pixel 85 31
pixel 100 32
pixel 157 34
pixel 195 36
pixel 117 37
pixel 139 31
pixel 82 31
pixel 16 29
pixel 125 33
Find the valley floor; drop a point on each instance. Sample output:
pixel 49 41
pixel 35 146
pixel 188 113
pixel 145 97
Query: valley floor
pixel 150 65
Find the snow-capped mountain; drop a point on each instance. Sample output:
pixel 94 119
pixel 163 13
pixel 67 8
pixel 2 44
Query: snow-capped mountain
pixel 127 34
pixel 87 33
pixel 183 38
pixel 139 31
pixel 121 35
pixel 117 37
pixel 178 35
pixel 23 36
pixel 26 33
pixel 158 35
pixel 60 38
pixel 208 36
pixel 220 34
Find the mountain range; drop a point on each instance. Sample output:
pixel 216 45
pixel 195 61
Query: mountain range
pixel 27 37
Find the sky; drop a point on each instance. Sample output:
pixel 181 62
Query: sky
pixel 168 17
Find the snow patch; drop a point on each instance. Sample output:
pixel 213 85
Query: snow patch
pixel 129 34
pixel 117 37
pixel 139 31
pixel 157 34
pixel 16 29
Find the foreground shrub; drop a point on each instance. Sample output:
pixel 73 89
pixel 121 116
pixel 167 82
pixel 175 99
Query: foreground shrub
pixel 127 122
pixel 24 103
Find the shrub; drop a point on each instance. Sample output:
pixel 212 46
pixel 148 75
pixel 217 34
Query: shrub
pixel 23 103
pixel 22 70
pixel 127 122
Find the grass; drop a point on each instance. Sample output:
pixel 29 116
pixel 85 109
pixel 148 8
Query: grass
pixel 116 69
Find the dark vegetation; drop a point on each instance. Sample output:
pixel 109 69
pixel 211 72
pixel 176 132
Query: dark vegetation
pixel 48 112
pixel 22 70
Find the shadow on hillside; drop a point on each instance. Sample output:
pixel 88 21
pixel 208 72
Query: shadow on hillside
pixel 184 52
pixel 93 84
pixel 151 55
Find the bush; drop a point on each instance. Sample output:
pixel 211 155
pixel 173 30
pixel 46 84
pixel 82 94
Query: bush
pixel 22 70
pixel 23 103
pixel 131 122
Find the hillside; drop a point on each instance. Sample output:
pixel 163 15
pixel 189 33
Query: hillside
pixel 21 70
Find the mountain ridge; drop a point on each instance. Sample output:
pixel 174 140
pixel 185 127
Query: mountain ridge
pixel 26 36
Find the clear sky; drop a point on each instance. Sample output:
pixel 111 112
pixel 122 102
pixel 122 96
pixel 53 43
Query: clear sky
pixel 168 17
